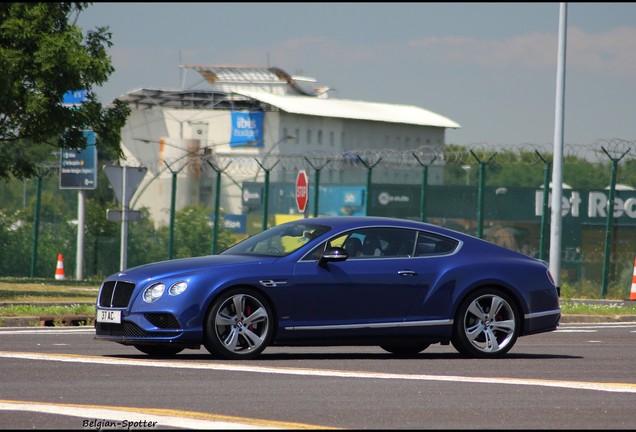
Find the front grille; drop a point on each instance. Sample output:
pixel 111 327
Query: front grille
pixel 163 320
pixel 126 329
pixel 115 294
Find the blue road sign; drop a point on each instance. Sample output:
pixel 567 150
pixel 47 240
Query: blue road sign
pixel 78 168
pixel 74 98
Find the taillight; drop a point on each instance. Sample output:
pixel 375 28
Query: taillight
pixel 550 276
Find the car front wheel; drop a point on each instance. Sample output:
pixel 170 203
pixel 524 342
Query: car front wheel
pixel 239 325
pixel 486 324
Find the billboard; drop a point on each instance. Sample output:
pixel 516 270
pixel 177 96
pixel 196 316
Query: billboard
pixel 247 129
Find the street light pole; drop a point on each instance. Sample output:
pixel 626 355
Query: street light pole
pixel 557 159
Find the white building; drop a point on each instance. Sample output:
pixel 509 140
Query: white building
pixel 257 121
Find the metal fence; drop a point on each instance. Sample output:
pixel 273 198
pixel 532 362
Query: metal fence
pixel 391 183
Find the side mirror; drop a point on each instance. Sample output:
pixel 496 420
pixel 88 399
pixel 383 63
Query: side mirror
pixel 334 254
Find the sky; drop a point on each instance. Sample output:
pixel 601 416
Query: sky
pixel 491 67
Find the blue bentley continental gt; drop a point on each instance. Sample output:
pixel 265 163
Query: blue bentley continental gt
pixel 397 284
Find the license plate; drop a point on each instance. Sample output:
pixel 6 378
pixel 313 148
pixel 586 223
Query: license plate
pixel 111 316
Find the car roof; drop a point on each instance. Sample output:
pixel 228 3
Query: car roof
pixel 344 222
pixel 351 222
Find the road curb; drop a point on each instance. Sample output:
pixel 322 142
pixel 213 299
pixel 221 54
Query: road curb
pixel 570 319
pixel 47 321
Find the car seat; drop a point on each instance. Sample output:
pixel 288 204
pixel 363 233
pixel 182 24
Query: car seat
pixel 371 246
pixel 353 246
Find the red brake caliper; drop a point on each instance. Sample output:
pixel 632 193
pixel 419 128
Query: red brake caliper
pixel 248 312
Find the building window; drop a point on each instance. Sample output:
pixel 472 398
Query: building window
pixel 308 136
pixel 319 137
pixel 332 138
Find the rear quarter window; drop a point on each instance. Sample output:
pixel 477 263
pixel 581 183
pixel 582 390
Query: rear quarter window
pixel 433 244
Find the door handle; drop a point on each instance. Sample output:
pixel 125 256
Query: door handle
pixel 407 273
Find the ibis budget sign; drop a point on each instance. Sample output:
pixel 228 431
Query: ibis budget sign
pixel 247 129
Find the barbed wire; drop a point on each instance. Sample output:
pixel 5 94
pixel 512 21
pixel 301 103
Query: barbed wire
pixel 390 159
pixel 245 165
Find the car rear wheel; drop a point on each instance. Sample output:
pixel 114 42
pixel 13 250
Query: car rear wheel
pixel 405 349
pixel 239 325
pixel 159 350
pixel 486 324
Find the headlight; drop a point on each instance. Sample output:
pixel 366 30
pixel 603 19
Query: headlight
pixel 177 288
pixel 152 293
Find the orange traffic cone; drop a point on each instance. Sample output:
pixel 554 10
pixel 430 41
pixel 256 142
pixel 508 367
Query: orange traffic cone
pixel 59 270
pixel 632 295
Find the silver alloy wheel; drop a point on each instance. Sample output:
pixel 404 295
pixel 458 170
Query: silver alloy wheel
pixel 489 323
pixel 241 324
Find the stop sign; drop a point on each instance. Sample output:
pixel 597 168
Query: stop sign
pixel 302 188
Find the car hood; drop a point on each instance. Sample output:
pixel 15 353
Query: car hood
pixel 187 266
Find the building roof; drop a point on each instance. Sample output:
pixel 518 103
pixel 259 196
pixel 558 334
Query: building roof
pixel 237 74
pixel 255 88
pixel 253 78
pixel 302 95
pixel 352 109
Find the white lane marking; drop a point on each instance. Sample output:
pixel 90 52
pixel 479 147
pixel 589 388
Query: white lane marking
pixel 20 330
pixel 575 331
pixel 592 327
pixel 102 418
pixel 175 364
pixel 599 325
pixel 108 418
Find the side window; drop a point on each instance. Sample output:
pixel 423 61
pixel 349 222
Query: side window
pixel 371 243
pixel 397 242
pixel 433 244
pixel 380 242
pixel 315 254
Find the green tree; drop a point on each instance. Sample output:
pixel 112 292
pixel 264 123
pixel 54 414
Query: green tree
pixel 145 244
pixel 193 233
pixel 43 56
pixel 526 169
pixel 627 170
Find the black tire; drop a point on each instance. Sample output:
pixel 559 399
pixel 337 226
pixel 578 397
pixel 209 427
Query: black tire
pixel 239 325
pixel 486 325
pixel 159 350
pixel 405 349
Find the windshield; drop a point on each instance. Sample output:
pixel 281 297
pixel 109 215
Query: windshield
pixel 279 240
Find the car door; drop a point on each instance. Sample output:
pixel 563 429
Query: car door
pixel 374 290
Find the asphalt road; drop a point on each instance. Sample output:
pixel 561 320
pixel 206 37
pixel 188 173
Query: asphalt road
pixel 578 377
